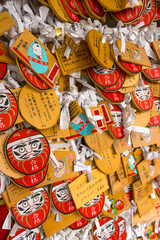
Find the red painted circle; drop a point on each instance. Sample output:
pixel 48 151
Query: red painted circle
pixel 153 73
pixel 130 67
pixel 8 110
pixel 149 13
pixel 119 205
pixel 30 181
pixel 61 198
pixel 33 210
pixel 109 229
pixel 79 224
pixel 27 151
pixel 118 85
pixel 92 208
pixel 113 97
pixel 129 15
pixel 105 77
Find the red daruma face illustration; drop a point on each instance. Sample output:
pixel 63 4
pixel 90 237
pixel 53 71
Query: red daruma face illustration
pixel 143 97
pixel 109 230
pixel 117 127
pixel 33 210
pixel 26 234
pixel 8 110
pixel 92 208
pixel 61 198
pixel 27 151
pixel 122 228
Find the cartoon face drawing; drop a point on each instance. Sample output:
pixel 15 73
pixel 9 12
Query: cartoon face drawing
pixel 60 170
pixel 37 57
pixel 109 229
pixel 77 120
pixel 122 228
pixel 142 93
pixel 30 204
pixel 27 151
pixel 8 110
pixel 33 210
pixel 61 197
pixel 63 194
pixel 4 103
pixel 92 202
pixel 37 49
pixel 81 125
pixel 143 97
pixel 132 163
pixel 117 128
pixel 26 234
pixel 117 117
pixel 115 206
pixel 30 77
pixel 106 231
pixel 148 7
pixel 29 236
pixel 136 55
pixel 99 70
pixel 157 102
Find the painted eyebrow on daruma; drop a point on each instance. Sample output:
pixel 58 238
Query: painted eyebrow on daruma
pixel 3 96
pixel 35 195
pixel 34 141
pixel 24 200
pixel 21 145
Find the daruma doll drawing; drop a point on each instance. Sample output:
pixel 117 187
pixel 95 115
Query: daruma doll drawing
pixel 62 198
pixel 109 229
pixel 8 110
pixel 25 234
pixel 92 208
pixel 33 210
pixel 116 130
pixel 142 97
pixel 27 151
